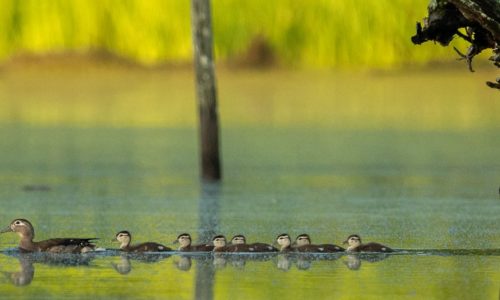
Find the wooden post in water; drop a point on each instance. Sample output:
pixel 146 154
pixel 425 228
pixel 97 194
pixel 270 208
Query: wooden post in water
pixel 206 89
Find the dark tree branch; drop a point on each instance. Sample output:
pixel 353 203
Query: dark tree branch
pixel 480 18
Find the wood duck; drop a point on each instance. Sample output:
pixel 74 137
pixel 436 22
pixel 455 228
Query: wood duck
pixel 125 238
pixel 59 245
pixel 355 245
pixel 284 242
pixel 303 244
pixel 238 244
pixel 184 241
pixel 219 242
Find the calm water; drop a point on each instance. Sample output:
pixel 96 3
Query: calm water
pixel 431 192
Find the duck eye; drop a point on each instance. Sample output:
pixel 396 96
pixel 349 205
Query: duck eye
pixel 17 223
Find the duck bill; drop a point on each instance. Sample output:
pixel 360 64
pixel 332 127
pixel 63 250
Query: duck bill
pixel 345 242
pixel 6 229
pixel 175 242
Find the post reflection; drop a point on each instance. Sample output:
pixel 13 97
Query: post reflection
pixel 207 228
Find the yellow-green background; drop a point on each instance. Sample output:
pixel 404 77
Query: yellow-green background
pixel 301 33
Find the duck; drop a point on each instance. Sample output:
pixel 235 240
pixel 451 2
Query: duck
pixel 26 232
pixel 184 240
pixel 303 244
pixel 284 242
pixel 355 245
pixel 125 238
pixel 238 244
pixel 219 242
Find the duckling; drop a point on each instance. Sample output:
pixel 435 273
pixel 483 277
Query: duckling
pixel 185 244
pixel 303 244
pixel 238 244
pixel 219 242
pixel 58 245
pixel 355 245
pixel 285 243
pixel 125 238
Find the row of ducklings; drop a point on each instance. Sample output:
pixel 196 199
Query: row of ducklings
pixel 238 243
pixel 283 241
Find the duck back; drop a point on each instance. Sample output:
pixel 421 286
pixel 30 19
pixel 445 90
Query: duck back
pixel 374 247
pixel 147 247
pixel 63 245
pixel 331 248
pixel 262 247
pixel 198 248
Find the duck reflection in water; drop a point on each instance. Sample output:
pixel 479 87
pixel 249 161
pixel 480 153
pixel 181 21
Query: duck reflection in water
pixel 303 262
pixel 124 266
pixel 283 262
pixel 25 274
pixel 183 263
pixel 353 261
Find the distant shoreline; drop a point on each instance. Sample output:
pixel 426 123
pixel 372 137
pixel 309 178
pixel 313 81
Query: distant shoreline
pixel 106 60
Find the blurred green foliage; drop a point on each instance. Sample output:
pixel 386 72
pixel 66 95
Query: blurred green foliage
pixel 299 33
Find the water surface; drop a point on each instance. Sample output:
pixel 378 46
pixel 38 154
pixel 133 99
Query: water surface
pixel 428 185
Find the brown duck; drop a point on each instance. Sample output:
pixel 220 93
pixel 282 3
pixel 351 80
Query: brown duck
pixel 219 242
pixel 184 240
pixel 284 242
pixel 58 245
pixel 355 245
pixel 238 244
pixel 125 238
pixel 303 244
